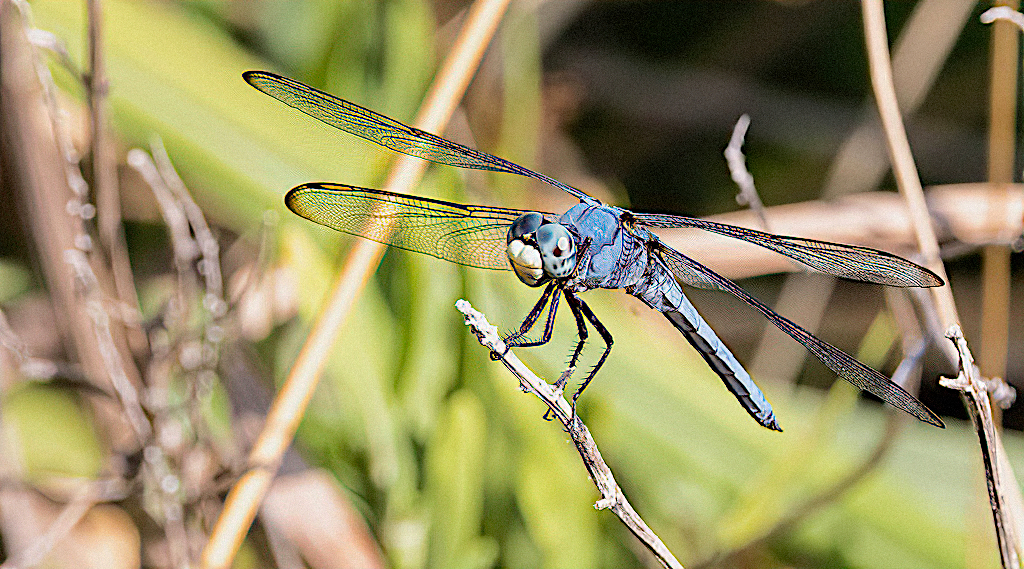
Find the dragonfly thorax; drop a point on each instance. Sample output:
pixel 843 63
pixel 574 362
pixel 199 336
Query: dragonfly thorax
pixel 540 250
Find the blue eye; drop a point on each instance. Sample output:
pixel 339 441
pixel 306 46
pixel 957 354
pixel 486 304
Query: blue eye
pixel 557 249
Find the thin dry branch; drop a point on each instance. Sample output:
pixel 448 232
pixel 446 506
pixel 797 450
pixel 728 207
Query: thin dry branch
pixel 104 177
pixel 612 497
pixel 859 165
pixel 184 247
pixel 102 329
pixel 1002 134
pixel 1000 477
pixel 742 177
pixel 57 195
pixel 900 155
pixel 967 216
pixel 289 406
pixel 182 346
pixel 919 54
pixel 1003 13
pixel 974 389
pixel 209 248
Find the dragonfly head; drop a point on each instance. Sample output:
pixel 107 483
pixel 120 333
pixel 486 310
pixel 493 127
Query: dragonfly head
pixel 540 250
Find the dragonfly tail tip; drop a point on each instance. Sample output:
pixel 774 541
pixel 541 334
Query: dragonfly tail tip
pixel 772 423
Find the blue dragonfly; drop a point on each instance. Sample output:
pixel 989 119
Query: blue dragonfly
pixel 592 245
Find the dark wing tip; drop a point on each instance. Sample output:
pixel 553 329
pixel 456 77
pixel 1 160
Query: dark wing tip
pixel 933 280
pixel 293 201
pixel 913 406
pixel 296 201
pixel 267 81
pixel 931 418
pixel 251 75
pixel 293 195
pixel 910 273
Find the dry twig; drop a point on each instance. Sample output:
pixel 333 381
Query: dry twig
pixel 1000 477
pixel 740 175
pixel 77 279
pixel 974 389
pixel 612 497
pixel 859 165
pixel 1002 134
pixel 181 345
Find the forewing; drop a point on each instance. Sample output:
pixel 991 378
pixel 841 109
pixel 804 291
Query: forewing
pixel 843 364
pixel 846 261
pixel 465 234
pixel 386 131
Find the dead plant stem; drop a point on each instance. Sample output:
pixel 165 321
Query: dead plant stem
pixel 972 388
pixel 612 497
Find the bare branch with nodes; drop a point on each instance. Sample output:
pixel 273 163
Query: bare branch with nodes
pixel 612 497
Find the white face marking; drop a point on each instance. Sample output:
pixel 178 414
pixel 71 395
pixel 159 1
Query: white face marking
pixel 515 248
pixel 525 262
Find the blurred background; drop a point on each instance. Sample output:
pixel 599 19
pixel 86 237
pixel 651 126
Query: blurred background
pixel 417 450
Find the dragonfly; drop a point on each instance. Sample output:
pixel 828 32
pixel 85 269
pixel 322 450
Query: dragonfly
pixel 592 245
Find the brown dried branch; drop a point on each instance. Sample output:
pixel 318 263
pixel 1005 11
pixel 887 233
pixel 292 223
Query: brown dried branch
pixel 195 351
pixel 184 247
pixel 966 216
pixel 974 390
pixel 56 193
pixel 1002 134
pixel 742 177
pixel 209 248
pixel 1000 477
pixel 612 497
pixel 859 165
pixel 104 178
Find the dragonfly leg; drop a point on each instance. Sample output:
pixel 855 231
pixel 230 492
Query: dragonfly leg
pixel 581 330
pixel 572 299
pixel 581 324
pixel 515 340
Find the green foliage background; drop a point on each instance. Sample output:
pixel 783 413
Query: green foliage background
pixel 451 465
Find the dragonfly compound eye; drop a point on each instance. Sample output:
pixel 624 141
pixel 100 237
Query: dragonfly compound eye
pixel 524 227
pixel 557 249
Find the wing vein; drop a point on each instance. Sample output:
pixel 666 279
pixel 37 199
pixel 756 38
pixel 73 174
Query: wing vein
pixel 467 235
pixel 845 261
pixel 848 368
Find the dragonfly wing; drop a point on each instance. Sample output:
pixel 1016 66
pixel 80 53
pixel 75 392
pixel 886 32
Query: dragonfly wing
pixel 465 234
pixel 843 364
pixel 386 131
pixel 846 261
